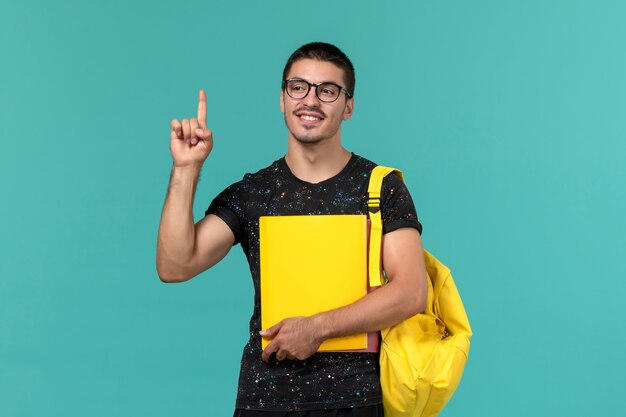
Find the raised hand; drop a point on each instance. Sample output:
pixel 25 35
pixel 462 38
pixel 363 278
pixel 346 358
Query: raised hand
pixel 190 140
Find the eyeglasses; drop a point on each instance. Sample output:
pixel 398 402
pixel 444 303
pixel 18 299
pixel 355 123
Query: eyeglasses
pixel 327 92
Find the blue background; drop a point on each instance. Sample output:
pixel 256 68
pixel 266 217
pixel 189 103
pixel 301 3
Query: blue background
pixel 506 117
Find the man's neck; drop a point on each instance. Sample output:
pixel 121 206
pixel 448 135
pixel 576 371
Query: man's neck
pixel 316 162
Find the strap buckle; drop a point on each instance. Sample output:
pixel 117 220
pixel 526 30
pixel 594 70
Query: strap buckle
pixel 373 202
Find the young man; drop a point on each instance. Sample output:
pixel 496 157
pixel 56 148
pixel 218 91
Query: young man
pixel 316 176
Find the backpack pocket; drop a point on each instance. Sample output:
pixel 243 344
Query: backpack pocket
pixel 440 377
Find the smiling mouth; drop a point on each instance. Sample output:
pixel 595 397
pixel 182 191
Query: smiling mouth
pixel 308 114
pixel 310 118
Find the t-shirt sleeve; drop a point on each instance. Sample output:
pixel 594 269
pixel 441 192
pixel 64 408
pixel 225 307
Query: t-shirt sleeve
pixel 230 206
pixel 398 209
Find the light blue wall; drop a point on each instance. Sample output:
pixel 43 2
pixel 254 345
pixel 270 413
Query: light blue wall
pixel 508 119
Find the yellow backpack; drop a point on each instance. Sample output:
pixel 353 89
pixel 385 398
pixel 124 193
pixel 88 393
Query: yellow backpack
pixel 421 358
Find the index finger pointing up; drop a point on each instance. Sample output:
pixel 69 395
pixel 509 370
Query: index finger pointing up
pixel 202 109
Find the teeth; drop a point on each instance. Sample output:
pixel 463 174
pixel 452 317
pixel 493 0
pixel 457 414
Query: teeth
pixel 311 118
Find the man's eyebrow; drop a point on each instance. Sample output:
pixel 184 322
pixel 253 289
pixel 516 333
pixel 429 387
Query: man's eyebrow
pixel 321 82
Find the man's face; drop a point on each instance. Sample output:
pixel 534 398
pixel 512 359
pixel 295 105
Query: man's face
pixel 308 119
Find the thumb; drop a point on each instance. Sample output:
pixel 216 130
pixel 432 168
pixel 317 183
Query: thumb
pixel 272 331
pixel 203 134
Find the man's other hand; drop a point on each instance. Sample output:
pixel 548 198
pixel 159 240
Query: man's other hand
pixel 293 338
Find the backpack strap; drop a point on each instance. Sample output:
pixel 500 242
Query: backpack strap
pixel 376 277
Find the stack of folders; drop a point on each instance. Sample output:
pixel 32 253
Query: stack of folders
pixel 311 264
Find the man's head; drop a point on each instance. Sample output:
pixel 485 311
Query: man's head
pixel 316 95
pixel 320 51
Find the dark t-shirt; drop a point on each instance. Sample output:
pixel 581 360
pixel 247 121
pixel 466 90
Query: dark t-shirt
pixel 325 380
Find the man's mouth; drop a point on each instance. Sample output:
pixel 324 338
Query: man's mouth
pixel 309 116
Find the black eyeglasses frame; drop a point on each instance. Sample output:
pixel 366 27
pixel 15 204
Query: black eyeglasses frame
pixel 316 85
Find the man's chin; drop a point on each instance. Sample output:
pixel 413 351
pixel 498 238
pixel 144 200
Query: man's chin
pixel 308 140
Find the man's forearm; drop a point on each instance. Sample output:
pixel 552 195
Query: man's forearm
pixel 403 297
pixel 379 309
pixel 176 238
pixel 300 337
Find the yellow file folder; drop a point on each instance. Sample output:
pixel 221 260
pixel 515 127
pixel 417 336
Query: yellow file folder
pixel 311 264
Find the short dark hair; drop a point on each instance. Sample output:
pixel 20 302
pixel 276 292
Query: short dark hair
pixel 321 51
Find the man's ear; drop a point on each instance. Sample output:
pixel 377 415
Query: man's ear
pixel 347 111
pixel 282 102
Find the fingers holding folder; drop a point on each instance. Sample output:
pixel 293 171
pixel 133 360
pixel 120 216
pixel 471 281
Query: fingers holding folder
pixel 293 338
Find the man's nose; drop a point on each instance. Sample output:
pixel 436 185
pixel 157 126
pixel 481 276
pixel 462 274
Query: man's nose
pixel 311 97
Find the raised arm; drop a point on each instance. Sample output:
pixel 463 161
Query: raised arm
pixel 183 249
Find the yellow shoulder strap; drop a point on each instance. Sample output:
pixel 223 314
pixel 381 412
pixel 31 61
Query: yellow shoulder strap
pixel 376 224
